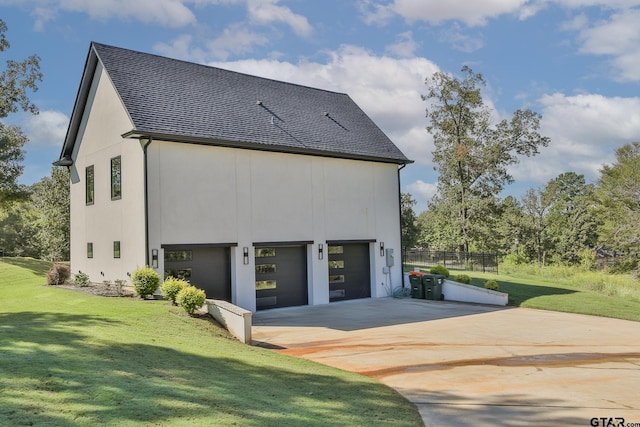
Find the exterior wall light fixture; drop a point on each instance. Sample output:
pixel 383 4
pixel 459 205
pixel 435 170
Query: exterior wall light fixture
pixel 320 251
pixel 245 255
pixel 154 258
pixel 381 248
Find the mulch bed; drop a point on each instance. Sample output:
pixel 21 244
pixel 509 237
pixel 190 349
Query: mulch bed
pixel 101 289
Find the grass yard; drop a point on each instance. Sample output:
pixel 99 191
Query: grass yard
pixel 72 359
pixel 593 293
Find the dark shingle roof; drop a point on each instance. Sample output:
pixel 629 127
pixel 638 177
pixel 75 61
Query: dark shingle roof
pixel 183 101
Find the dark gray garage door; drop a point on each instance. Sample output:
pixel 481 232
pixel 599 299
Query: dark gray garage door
pixel 207 268
pixel 349 271
pixel 281 276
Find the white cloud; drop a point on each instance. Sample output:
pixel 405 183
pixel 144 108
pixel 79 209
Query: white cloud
pixel 473 13
pixel 387 89
pixel 585 130
pixel 169 13
pixel 422 192
pixel 236 39
pixel 267 11
pixel 404 47
pixel 619 38
pixel 48 128
pixel 460 41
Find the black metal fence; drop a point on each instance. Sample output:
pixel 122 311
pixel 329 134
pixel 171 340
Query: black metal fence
pixel 486 262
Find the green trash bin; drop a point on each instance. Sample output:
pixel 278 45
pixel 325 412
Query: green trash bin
pixel 432 285
pixel 415 280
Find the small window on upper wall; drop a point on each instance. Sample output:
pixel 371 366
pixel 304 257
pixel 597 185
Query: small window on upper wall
pixel 90 250
pixel 116 249
pixel 89 185
pixel 116 178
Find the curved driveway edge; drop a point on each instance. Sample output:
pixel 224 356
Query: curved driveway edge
pixel 464 364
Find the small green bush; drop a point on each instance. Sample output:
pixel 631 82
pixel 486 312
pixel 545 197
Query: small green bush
pixel 491 285
pixel 463 278
pixel 81 279
pixel 58 275
pixel 145 281
pixel 440 269
pixel 190 298
pixel 171 287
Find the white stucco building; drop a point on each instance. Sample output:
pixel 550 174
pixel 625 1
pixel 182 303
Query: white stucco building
pixel 263 193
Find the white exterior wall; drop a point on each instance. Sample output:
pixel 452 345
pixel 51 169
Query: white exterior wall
pixel 107 220
pixel 206 194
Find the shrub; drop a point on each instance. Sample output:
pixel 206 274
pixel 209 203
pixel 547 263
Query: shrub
pixel 491 285
pixel 119 285
pixel 439 269
pixel 58 274
pixel 81 279
pixel 145 281
pixel 463 278
pixel 190 298
pixel 171 286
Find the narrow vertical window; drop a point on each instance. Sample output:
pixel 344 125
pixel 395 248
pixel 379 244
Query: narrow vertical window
pixel 89 184
pixel 116 178
pixel 90 250
pixel 116 249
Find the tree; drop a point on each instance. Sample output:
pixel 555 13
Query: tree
pixel 16 79
pixel 618 192
pixel 50 200
pixel 471 155
pixel 408 221
pixel 572 221
pixel 535 209
pixel 18 230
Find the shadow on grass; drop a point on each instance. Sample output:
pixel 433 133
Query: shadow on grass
pixel 53 375
pixel 36 266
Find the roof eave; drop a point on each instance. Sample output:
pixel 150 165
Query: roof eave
pixel 139 134
pixel 79 106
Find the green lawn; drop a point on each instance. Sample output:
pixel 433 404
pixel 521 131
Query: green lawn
pixel 71 359
pixel 567 291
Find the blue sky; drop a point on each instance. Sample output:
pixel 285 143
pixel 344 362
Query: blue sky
pixel 576 62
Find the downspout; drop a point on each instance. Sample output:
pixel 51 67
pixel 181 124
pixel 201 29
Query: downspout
pixel 400 224
pixel 146 203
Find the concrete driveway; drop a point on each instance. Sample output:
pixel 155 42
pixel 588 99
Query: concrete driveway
pixel 473 365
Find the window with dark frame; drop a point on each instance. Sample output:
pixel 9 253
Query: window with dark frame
pixel 89 249
pixel 89 185
pixel 116 178
pixel 116 249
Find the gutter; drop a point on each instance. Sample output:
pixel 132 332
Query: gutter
pixel 146 202
pixel 400 224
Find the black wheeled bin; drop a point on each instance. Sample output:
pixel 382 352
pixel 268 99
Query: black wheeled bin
pixel 432 286
pixel 415 280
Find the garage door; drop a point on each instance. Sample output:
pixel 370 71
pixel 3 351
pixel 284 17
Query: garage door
pixel 281 276
pixel 349 271
pixel 207 268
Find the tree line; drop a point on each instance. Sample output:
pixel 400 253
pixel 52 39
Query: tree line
pixel 563 222
pixel 34 220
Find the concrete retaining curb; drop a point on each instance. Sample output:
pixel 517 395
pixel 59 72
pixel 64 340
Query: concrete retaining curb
pixel 235 319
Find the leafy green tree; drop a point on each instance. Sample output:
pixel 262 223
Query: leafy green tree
pixel 17 78
pixel 536 240
pixel 18 229
pixel 437 230
pixel 11 155
pixel 572 222
pixel 618 193
pixel 471 154
pixel 510 231
pixel 408 221
pixel 51 203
